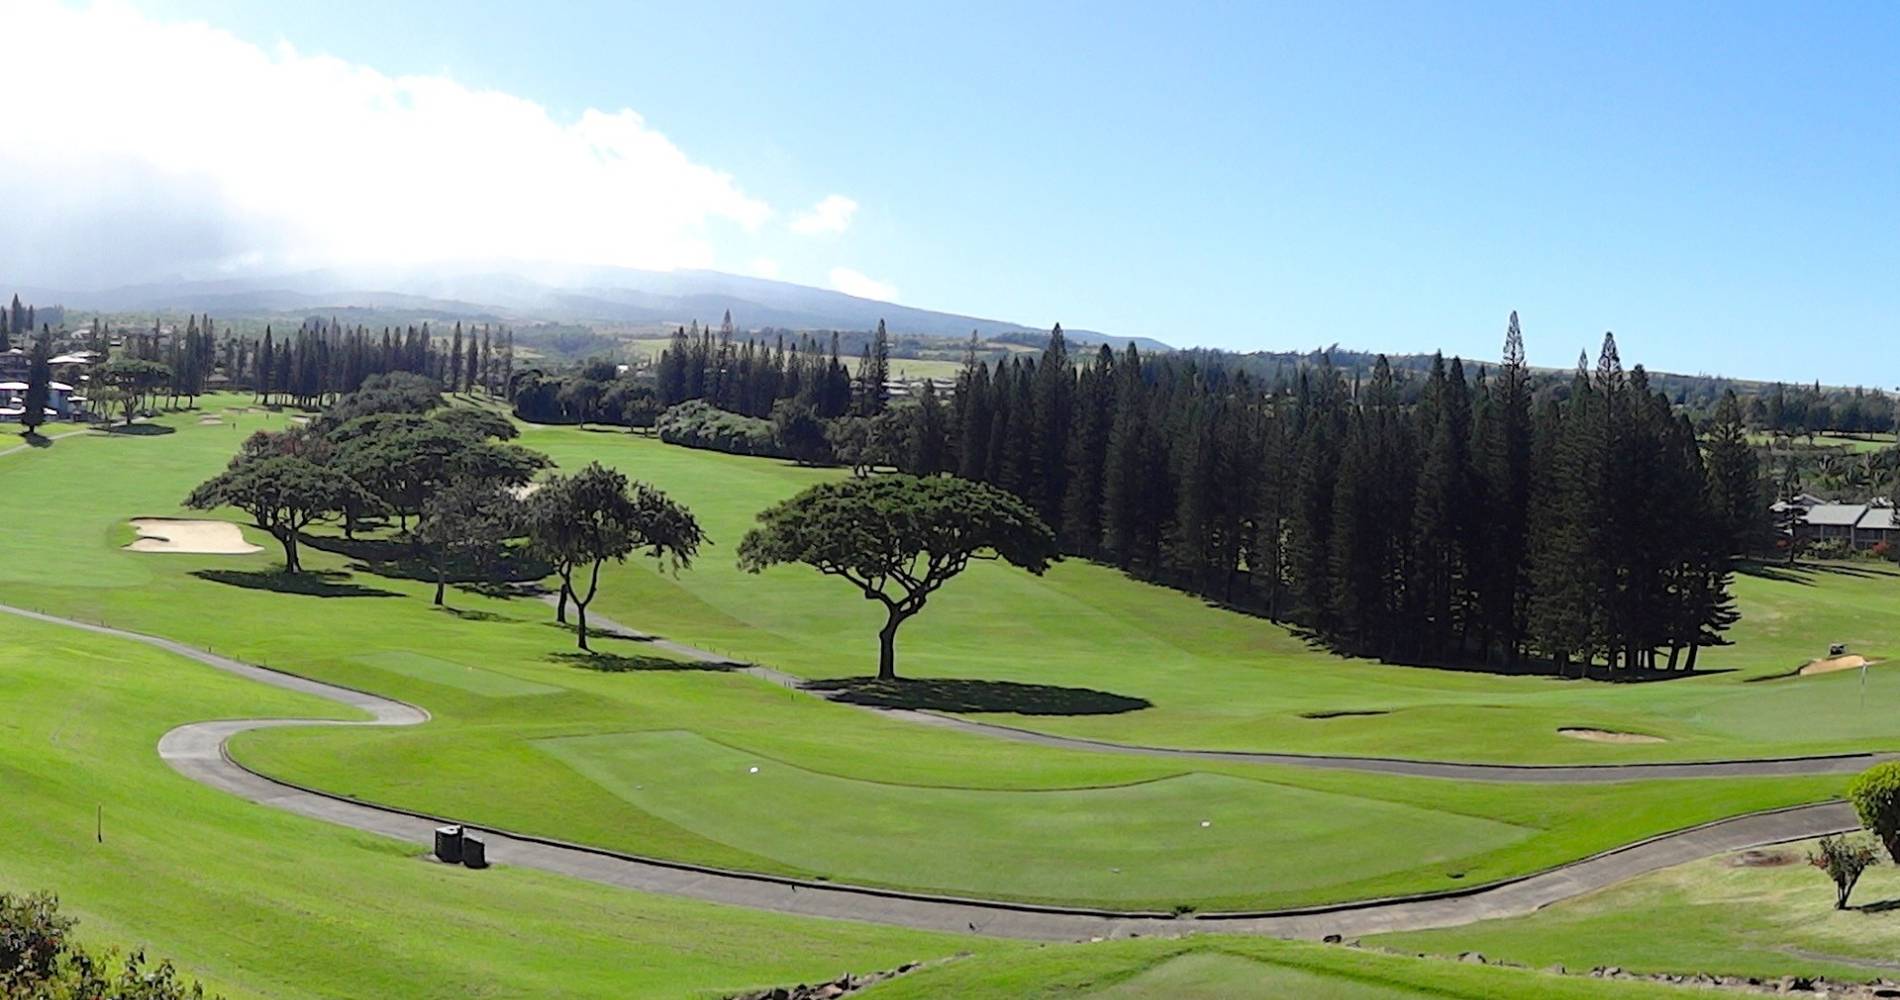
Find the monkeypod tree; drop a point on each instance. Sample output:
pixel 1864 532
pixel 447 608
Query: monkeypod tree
pixel 579 522
pixel 466 525
pixel 283 495
pixel 898 538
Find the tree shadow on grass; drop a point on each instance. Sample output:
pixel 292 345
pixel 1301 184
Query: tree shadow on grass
pixel 309 584
pixel 1803 573
pixel 36 440
pixel 616 663
pixel 514 574
pixel 468 615
pixel 142 430
pixel 1880 906
pixel 956 695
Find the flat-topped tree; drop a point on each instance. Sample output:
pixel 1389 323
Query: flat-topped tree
pixel 283 495
pixel 898 538
pixel 581 521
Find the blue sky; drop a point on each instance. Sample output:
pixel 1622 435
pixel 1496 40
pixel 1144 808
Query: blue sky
pixel 1718 183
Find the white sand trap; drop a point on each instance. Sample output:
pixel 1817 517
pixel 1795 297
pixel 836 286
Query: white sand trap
pixel 1608 736
pixel 211 420
pixel 524 492
pixel 168 534
pixel 1852 661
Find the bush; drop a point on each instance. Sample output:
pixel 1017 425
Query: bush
pixel 1843 860
pixel 39 960
pixel 697 424
pixel 1876 796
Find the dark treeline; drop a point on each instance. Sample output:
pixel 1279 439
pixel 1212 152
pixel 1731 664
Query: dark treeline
pixel 1443 518
pixel 751 377
pixel 322 360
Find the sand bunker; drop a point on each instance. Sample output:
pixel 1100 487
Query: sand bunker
pixel 211 420
pixel 166 534
pixel 1608 736
pixel 1852 661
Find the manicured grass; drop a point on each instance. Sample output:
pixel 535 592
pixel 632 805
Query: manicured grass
pixel 503 686
pixel 1218 679
pixel 1228 968
pixel 1717 916
pixel 260 903
pixel 1186 836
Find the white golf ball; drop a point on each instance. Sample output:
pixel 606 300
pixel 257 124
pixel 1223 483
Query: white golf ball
pixel 754 769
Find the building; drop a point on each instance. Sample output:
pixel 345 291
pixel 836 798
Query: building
pixel 1861 525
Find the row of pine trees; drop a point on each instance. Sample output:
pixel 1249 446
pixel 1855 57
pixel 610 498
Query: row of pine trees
pixel 1491 521
pixel 752 377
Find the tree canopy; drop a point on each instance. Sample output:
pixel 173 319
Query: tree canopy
pixel 581 521
pixel 283 494
pixel 898 538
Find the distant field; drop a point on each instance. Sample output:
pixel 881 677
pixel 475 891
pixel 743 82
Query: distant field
pixel 1855 444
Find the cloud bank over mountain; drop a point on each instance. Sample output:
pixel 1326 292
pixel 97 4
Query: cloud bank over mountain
pixel 144 150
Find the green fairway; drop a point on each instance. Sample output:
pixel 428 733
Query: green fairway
pixel 1764 914
pixel 1222 680
pixel 1189 836
pixel 504 688
pixel 1227 968
pixel 260 903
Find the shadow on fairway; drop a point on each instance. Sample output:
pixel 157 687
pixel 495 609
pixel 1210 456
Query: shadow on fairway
pixel 615 663
pixel 468 615
pixel 309 584
pixel 513 575
pixel 1803 573
pixel 143 430
pixel 36 440
pixel 950 695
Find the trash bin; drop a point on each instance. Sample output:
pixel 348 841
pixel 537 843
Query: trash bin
pixel 448 844
pixel 474 852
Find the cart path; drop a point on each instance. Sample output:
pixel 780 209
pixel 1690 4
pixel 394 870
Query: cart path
pixel 1542 774
pixel 197 750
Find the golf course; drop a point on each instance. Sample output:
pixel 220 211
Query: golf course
pixel 687 737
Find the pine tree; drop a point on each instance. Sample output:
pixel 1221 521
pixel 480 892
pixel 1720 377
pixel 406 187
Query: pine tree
pixel 39 377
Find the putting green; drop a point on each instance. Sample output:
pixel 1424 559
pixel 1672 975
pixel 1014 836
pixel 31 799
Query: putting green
pixel 474 680
pixel 1191 836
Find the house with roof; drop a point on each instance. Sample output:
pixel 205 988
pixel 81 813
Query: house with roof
pixel 1861 525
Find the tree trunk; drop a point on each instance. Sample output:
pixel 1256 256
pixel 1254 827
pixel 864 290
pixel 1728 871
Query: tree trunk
pixel 441 579
pixel 1694 648
pixel 560 607
pixel 289 542
pixel 887 648
pixel 581 617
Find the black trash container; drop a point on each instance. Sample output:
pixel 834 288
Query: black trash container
pixel 448 844
pixel 474 852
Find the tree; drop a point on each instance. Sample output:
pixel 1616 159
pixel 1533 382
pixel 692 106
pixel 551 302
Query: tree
pixel 1734 479
pixel 39 377
pixel 283 495
pixel 130 379
pixel 800 433
pixel 1875 794
pixel 898 538
pixel 1843 860
pixel 583 520
pixel 464 524
pixel 40 959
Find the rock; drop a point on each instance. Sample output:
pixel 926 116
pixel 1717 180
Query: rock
pixel 1331 939
pixel 1558 970
pixel 1471 958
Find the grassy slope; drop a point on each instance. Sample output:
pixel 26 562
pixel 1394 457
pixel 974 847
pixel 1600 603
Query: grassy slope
pixel 482 758
pixel 1719 918
pixel 1235 969
pixel 1223 680
pixel 264 904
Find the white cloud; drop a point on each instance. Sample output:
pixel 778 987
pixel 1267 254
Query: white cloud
pixel 863 286
pixel 275 158
pixel 830 216
pixel 765 267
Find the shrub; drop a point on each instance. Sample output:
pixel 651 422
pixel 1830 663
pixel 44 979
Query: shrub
pixel 1843 860
pixel 39 960
pixel 1876 796
pixel 697 424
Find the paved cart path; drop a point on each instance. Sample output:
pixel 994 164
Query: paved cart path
pixel 197 750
